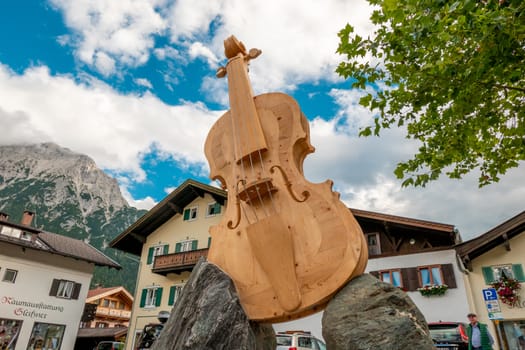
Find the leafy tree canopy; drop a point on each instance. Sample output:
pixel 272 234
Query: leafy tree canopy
pixel 454 76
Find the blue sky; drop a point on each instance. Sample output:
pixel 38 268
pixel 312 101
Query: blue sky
pixel 131 83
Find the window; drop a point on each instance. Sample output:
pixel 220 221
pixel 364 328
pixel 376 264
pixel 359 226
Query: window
pixel 65 289
pixel 412 278
pixel 26 236
pixel 9 331
pixel 112 304
pixel 151 297
pixel 175 292
pixel 495 272
pixel 304 342
pixel 374 245
pixel 101 325
pixel 213 209
pixel 157 250
pixel 190 214
pixel 10 275
pixel 391 276
pixel 430 275
pixel 46 336
pixel 186 246
pixel 105 303
pixel 11 231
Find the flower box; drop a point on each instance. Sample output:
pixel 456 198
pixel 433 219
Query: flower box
pixel 432 290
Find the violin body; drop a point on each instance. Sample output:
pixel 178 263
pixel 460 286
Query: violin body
pixel 288 244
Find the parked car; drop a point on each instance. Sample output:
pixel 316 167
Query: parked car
pixel 298 340
pixel 449 335
pixel 110 345
pixel 150 333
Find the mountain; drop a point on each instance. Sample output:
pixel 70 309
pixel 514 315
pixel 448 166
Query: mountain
pixel 71 196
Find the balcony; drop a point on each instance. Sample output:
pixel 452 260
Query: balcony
pixel 113 313
pixel 177 262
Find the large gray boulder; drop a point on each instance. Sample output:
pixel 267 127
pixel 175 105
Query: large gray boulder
pixel 208 316
pixel 369 314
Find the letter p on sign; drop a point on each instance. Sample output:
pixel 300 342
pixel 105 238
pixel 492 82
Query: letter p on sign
pixel 490 294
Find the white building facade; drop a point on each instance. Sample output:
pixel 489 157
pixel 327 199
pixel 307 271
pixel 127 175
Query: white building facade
pixel 44 281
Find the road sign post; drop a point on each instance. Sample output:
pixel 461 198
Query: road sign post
pixel 490 295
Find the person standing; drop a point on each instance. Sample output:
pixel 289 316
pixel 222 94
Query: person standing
pixel 479 337
pixel 519 336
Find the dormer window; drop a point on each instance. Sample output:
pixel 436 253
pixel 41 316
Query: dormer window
pixel 213 209
pixel 190 214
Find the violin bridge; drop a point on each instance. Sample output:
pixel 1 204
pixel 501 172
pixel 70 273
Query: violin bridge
pixel 257 189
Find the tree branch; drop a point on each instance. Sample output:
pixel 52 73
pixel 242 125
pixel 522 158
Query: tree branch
pixel 510 87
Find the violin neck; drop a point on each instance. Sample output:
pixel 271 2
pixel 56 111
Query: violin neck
pixel 249 136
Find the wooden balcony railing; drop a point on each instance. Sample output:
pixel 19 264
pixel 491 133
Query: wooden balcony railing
pixel 117 313
pixel 177 262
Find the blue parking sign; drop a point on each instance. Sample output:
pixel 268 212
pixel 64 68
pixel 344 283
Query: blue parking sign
pixel 490 294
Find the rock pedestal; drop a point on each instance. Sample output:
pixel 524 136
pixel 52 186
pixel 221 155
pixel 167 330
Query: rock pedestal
pixel 366 314
pixel 208 315
pixel 370 314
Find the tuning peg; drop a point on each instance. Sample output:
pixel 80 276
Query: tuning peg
pixel 254 53
pixel 221 72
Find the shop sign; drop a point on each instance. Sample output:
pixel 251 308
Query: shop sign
pixel 30 309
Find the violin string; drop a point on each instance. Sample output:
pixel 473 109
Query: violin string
pixel 249 203
pixel 268 189
pixel 254 175
pixel 238 147
pixel 262 175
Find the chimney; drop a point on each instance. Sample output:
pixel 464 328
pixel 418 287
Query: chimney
pixel 27 218
pixel 4 216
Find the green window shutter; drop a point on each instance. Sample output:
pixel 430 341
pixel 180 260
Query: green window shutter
pixel 150 255
pixel 177 248
pixel 488 274
pixel 209 241
pixel 143 297
pixel 166 248
pixel 194 244
pixel 517 270
pixel 186 214
pixel 158 296
pixel 171 297
pixel 217 209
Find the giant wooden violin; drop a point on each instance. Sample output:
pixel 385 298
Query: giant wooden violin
pixel 288 244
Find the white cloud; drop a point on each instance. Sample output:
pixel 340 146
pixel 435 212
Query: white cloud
pixel 119 30
pixel 113 128
pixel 298 37
pixel 144 82
pixel 362 171
pixel 144 203
pixel 197 49
pixel 104 63
pixel 167 52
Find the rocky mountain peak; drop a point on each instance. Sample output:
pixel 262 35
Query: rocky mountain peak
pixel 73 174
pixel 71 196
